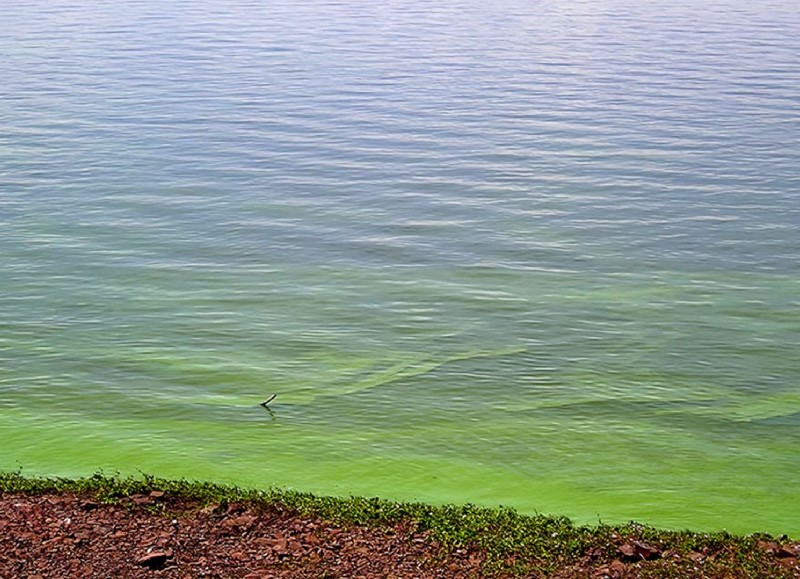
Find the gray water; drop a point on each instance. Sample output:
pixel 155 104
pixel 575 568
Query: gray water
pixel 540 254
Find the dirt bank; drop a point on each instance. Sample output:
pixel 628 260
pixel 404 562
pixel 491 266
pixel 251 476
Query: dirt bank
pixel 155 534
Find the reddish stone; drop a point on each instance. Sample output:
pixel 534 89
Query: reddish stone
pixel 770 547
pixel 645 551
pixel 628 551
pixel 789 562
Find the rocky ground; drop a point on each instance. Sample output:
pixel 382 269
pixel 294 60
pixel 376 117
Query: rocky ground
pixel 70 536
pixel 152 535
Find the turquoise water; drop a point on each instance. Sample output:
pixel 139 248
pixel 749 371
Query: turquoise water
pixel 538 254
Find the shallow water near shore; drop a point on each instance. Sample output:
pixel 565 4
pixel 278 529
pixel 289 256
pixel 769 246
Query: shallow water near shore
pixel 542 255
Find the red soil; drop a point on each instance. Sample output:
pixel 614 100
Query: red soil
pixel 70 536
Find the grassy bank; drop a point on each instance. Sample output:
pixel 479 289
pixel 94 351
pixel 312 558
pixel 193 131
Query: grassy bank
pixel 510 542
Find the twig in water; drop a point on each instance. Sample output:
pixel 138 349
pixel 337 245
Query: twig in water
pixel 267 401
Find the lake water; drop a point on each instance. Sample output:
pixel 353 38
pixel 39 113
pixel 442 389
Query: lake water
pixel 544 254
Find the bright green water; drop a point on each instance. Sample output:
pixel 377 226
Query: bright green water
pixel 545 257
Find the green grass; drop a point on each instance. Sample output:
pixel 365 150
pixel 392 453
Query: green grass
pixel 513 543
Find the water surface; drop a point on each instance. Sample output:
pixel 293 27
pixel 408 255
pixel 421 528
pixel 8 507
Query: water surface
pixel 539 254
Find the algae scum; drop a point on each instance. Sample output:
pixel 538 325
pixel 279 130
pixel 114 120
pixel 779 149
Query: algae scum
pixel 478 259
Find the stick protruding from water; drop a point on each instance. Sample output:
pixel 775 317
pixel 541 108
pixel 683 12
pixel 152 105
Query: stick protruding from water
pixel 266 402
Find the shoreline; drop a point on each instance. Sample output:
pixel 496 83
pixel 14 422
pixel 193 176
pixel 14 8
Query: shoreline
pixel 147 526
